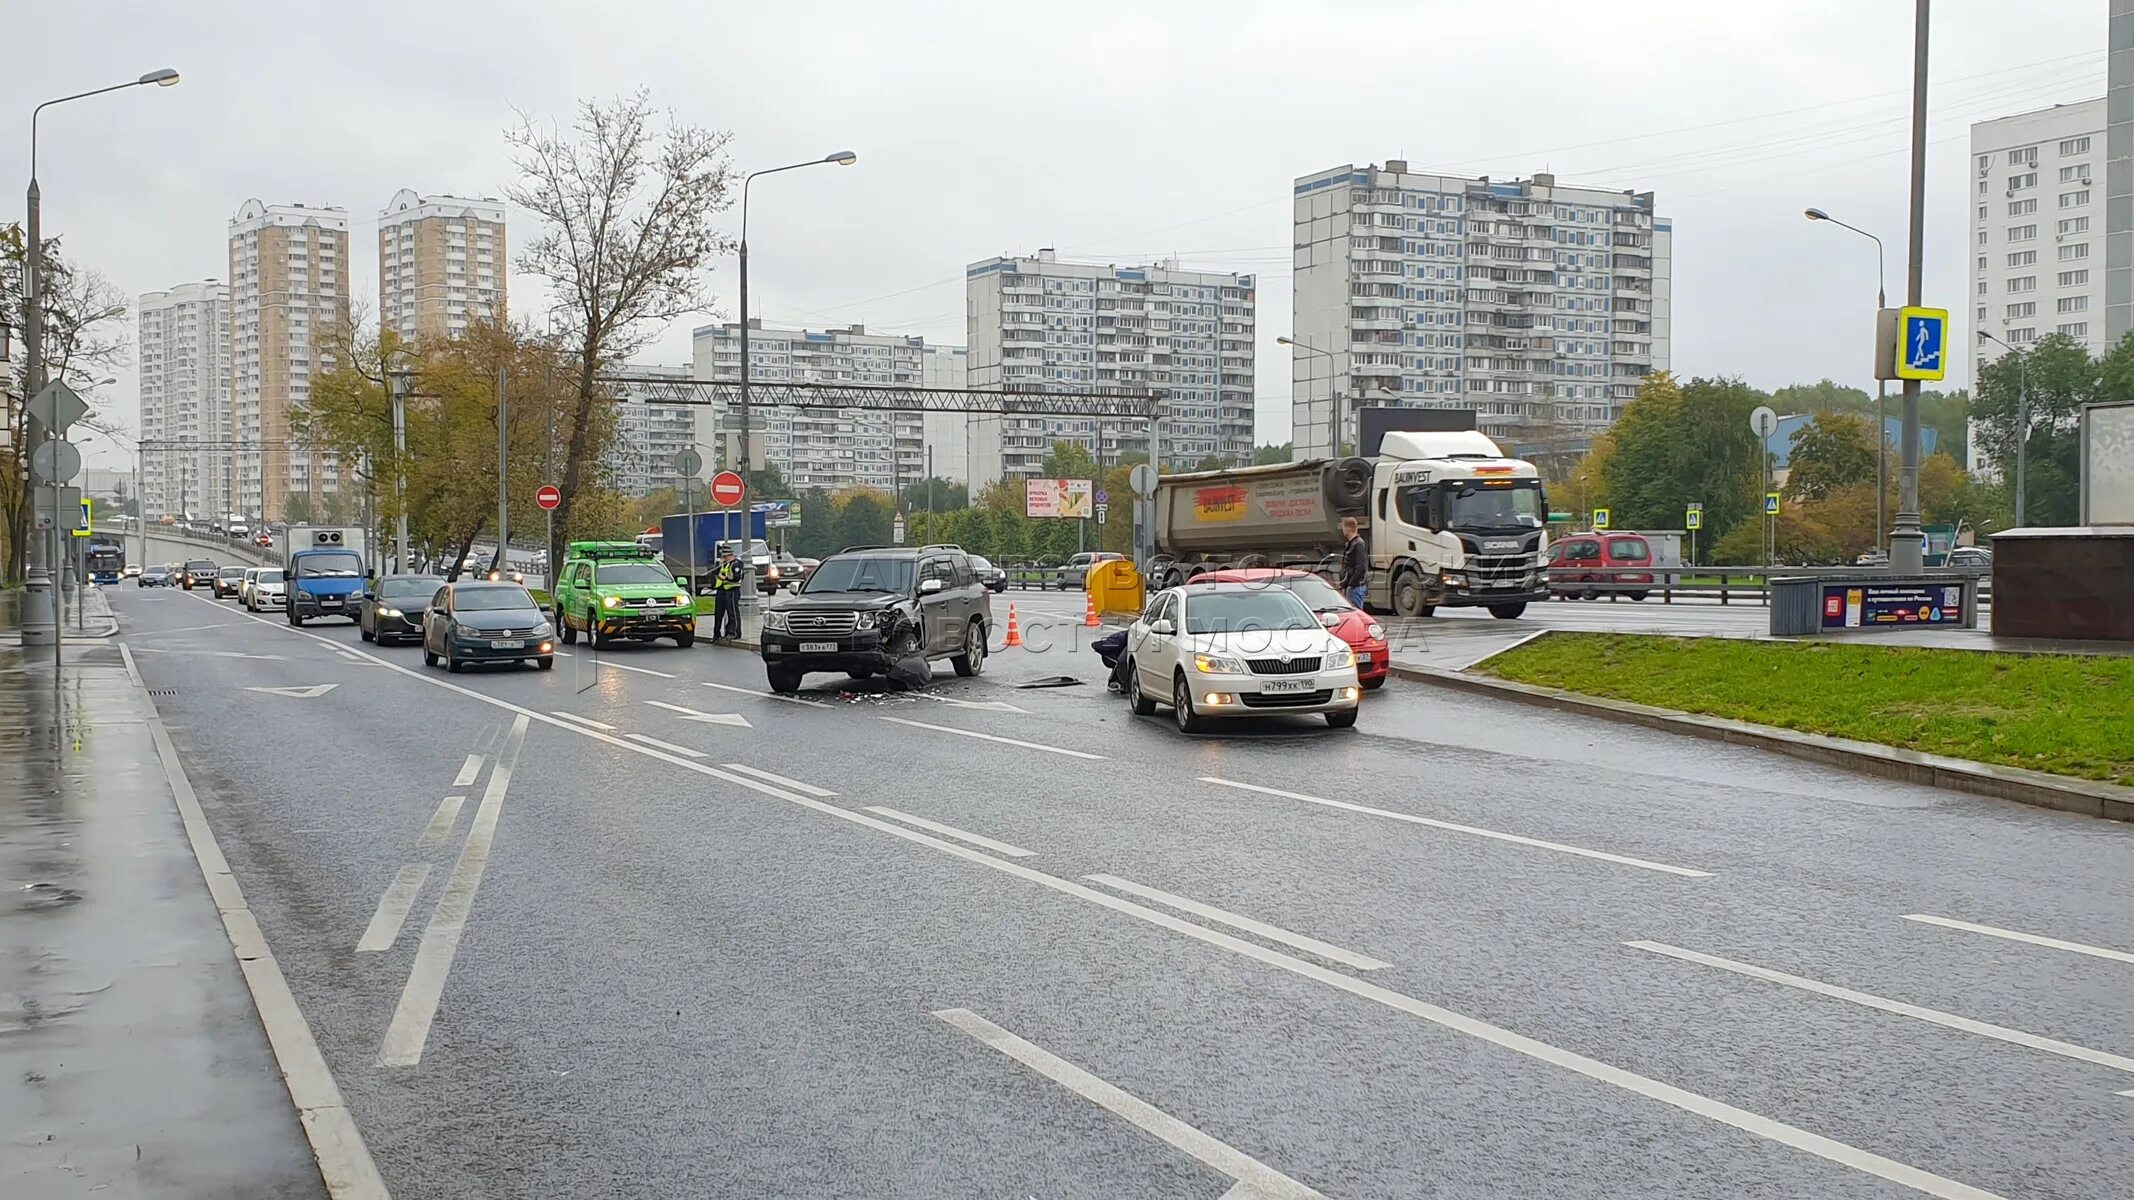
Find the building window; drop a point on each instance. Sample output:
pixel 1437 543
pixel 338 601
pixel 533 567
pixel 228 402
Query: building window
pixel 2022 258
pixel 2080 145
pixel 2075 225
pixel 2023 208
pixel 2071 253
pixel 1981 237
pixel 2022 233
pixel 2075 329
pixel 2074 199
pixel 2079 171
pixel 2028 179
pixel 1981 262
pixel 2028 308
pixel 1981 187
pixel 2073 304
pixel 1982 212
pixel 2026 156
pixel 2023 283
pixel 2074 278
pixel 2025 334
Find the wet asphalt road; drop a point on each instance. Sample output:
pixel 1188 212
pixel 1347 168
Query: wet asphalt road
pixel 679 977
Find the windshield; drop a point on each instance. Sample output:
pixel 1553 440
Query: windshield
pixel 860 573
pixel 1495 504
pixel 399 589
pixel 231 573
pixel 757 548
pixel 978 563
pixel 632 572
pixel 329 566
pixel 270 575
pixel 1258 609
pixel 200 566
pixel 490 599
pixel 1316 593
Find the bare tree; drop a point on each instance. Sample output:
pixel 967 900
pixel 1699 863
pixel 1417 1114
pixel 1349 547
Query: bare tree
pixel 628 195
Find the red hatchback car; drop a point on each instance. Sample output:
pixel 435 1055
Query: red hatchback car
pixel 1587 565
pixel 1358 628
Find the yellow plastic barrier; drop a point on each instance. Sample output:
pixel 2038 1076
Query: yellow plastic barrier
pixel 1115 587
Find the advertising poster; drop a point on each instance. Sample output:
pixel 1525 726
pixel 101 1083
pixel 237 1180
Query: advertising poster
pixel 1873 605
pixel 1074 499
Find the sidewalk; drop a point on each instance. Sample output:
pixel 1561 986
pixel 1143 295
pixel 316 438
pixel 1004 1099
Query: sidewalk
pixel 132 1058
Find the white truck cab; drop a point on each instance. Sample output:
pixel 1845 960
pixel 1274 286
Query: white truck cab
pixel 1455 523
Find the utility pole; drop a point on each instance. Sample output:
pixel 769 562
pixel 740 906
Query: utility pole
pixel 396 388
pixel 1907 551
pixel 503 478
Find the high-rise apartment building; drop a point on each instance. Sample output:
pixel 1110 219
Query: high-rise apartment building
pixel 1539 305
pixel 288 296
pixel 2037 246
pixel 1041 325
pixel 649 434
pixel 186 465
pixel 441 264
pixel 831 448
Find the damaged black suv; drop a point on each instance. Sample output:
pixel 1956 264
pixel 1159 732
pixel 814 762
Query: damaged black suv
pixel 871 607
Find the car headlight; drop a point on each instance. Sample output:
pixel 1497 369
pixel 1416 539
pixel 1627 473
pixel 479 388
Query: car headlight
pixel 774 620
pixel 544 630
pixel 865 620
pixel 772 572
pixel 1217 664
pixel 1336 659
pixel 610 601
pixel 1375 630
pixel 681 597
pixel 389 612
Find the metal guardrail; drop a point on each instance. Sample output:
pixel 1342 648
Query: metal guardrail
pixel 1745 585
pixel 253 555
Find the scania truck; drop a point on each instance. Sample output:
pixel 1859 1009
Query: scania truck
pixel 1451 522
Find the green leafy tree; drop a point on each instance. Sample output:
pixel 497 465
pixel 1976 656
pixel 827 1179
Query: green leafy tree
pixel 2062 378
pixel 1069 460
pixel 1679 443
pixel 935 495
pixel 1267 455
pixel 1836 450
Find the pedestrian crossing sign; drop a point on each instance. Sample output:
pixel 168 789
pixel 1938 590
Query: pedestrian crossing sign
pixel 1924 338
pixel 1770 504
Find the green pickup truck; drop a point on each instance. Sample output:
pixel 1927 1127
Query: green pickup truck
pixel 615 591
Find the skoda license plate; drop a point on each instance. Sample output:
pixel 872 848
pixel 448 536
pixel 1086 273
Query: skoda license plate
pixel 818 647
pixel 1285 685
pixel 507 644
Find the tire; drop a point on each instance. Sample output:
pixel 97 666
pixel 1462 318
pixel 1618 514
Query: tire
pixel 546 662
pixel 1342 720
pixel 1347 483
pixel 1508 612
pixel 295 622
pixel 1410 599
pixel 783 680
pixel 685 640
pixel 599 640
pixel 861 672
pixel 363 631
pixel 452 665
pixel 1136 703
pixel 1372 685
pixel 569 632
pixel 1182 705
pixel 428 659
pixel 972 660
pixel 1639 596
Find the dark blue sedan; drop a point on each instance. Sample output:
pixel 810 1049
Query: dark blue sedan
pixel 481 621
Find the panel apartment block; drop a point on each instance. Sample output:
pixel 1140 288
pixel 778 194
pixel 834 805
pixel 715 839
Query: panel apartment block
pixel 441 264
pixel 288 294
pixel 186 465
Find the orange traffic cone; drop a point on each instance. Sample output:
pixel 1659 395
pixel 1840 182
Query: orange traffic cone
pixel 1089 613
pixel 1015 633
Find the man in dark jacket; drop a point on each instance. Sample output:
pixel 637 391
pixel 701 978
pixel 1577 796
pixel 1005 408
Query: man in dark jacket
pixel 1355 562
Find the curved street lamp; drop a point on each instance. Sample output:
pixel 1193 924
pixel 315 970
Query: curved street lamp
pixel 1881 385
pixel 841 158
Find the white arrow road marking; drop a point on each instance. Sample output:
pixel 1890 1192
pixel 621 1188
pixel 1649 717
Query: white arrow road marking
pixel 986 705
pixel 690 714
pixel 297 693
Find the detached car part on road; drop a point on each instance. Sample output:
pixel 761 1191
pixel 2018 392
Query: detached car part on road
pixel 613 591
pixel 1237 650
pixel 479 622
pixel 864 611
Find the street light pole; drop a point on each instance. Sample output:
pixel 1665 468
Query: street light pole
pixel 2022 418
pixel 39 616
pixel 1907 550
pixel 1333 438
pixel 1881 385
pixel 843 158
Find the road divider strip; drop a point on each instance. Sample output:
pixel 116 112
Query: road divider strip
pixel 2018 936
pixel 1934 1016
pixel 961 835
pixel 780 780
pixel 1005 741
pixel 1455 827
pixel 1273 933
pixel 440 827
pixel 1254 1178
pixel 393 906
pixel 1828 1149
pixel 468 771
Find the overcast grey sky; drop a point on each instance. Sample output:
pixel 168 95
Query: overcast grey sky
pixel 1115 133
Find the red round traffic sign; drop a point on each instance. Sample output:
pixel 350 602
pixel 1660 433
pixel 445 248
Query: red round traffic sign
pixel 549 496
pixel 727 489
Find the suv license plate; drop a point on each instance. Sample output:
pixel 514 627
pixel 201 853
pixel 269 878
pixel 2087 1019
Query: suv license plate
pixel 507 644
pixel 818 647
pixel 1285 685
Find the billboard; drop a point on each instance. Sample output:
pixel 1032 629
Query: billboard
pixel 2107 466
pixel 1072 498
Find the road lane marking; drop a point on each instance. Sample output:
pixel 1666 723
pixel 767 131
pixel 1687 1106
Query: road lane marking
pixel 601 725
pixel 690 714
pixel 669 747
pixel 1829 1149
pixel 1455 827
pixel 1005 741
pixel 213 653
pixel 410 1027
pixel 727 687
pixel 337 1146
pixel 180 629
pixel 393 906
pixel 780 780
pixel 640 670
pixel 1950 1020
pixel 985 705
pixel 961 835
pixel 440 826
pixel 468 771
pixel 2018 936
pixel 1273 933
pixel 1250 1173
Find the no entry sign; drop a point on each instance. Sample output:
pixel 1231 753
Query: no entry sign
pixel 549 496
pixel 727 489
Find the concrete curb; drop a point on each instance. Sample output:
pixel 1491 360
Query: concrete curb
pixel 1910 766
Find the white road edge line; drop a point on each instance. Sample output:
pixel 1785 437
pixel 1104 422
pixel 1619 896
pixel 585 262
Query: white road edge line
pixel 2018 936
pixel 1273 933
pixel 440 826
pixel 1256 1178
pixel 469 771
pixel 1455 827
pixel 336 1144
pixel 670 747
pixel 1002 740
pixel 601 725
pixel 961 835
pixel 393 906
pixel 410 1027
pixel 1719 1111
pixel 728 687
pixel 640 670
pixel 780 780
pixel 1934 1016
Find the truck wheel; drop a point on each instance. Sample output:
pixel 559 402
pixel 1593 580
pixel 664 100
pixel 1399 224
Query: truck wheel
pixel 569 632
pixel 972 660
pixel 685 640
pixel 295 622
pixel 783 679
pixel 1409 597
pixel 1508 612
pixel 600 641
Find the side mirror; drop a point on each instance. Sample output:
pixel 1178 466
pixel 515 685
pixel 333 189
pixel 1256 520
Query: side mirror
pixel 928 587
pixel 1162 628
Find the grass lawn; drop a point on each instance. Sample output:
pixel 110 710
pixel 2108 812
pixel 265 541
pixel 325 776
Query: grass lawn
pixel 2064 714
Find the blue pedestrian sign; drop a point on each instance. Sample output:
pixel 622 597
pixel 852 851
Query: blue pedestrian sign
pixel 1925 335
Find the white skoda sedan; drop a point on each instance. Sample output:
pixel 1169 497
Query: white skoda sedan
pixel 1237 650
